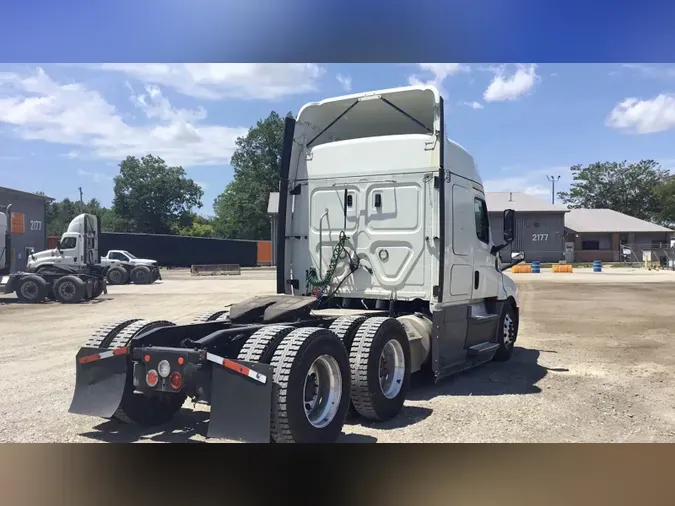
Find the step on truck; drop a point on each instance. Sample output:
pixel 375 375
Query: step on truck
pixel 386 268
pixel 69 279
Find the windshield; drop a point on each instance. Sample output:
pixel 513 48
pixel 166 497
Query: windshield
pixel 128 254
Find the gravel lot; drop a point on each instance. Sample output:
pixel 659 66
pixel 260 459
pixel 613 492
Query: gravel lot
pixel 594 363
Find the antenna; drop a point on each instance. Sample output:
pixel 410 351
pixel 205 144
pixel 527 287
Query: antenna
pixel 552 180
pixel 81 201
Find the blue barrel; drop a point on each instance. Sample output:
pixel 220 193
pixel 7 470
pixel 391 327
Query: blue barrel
pixel 597 266
pixel 536 267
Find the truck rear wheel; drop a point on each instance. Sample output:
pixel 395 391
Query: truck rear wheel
pixel 117 276
pixel 260 347
pixel 140 275
pixel 311 387
pixel 209 316
pixel 136 408
pixel 69 289
pixel 32 289
pixel 97 288
pixel 380 368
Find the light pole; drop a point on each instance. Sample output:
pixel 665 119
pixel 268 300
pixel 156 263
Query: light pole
pixel 553 179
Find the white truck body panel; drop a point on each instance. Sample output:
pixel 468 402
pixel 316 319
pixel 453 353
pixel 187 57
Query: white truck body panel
pixel 375 149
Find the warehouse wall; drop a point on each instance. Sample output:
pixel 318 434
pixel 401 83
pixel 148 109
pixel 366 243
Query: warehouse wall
pixel 28 227
pixel 541 236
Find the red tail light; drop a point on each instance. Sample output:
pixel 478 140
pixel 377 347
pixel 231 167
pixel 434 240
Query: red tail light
pixel 176 380
pixel 152 378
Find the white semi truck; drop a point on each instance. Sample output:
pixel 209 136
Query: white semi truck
pixel 71 251
pixel 386 267
pixel 77 276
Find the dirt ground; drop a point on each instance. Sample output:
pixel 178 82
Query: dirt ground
pixel 594 363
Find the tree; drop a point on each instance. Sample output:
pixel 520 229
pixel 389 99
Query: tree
pixel 152 197
pixel 241 210
pixel 666 195
pixel 199 226
pixel 629 188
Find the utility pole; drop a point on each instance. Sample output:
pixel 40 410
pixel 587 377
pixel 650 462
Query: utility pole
pixel 81 201
pixel 553 179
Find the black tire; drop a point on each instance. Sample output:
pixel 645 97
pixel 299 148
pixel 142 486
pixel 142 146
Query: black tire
pixel 32 289
pixel 117 276
pixel 69 289
pixel 102 336
pixel 140 275
pixel 136 408
pixel 368 397
pixel 346 327
pixel 292 361
pixel 260 347
pixel 508 326
pixel 209 316
pixel 154 275
pixel 97 289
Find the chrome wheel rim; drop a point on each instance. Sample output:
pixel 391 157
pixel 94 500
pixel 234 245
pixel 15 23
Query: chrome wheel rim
pixel 508 330
pixel 392 368
pixel 29 289
pixel 67 290
pixel 322 391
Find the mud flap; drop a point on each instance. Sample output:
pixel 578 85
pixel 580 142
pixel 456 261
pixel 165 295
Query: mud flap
pixel 99 385
pixel 241 406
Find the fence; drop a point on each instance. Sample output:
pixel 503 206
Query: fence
pixel 183 251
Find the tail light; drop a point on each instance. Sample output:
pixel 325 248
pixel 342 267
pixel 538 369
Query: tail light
pixel 164 368
pixel 152 378
pixel 176 380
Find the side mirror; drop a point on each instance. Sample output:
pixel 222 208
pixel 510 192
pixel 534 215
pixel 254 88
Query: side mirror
pixel 58 246
pixel 509 225
pixel 517 256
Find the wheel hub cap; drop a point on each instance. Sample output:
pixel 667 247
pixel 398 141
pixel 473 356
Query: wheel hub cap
pixel 322 391
pixel 392 369
pixel 508 330
pixel 29 289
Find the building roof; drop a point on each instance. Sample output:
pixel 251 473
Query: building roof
pixel 25 194
pixel 606 220
pixel 520 202
pixel 273 203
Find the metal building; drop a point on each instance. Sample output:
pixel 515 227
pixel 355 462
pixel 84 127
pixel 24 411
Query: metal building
pixel 29 225
pixel 540 226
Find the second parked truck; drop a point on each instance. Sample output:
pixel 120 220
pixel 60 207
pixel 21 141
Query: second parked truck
pixel 386 267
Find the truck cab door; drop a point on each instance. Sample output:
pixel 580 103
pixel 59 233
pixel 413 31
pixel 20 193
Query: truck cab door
pixel 69 249
pixel 485 273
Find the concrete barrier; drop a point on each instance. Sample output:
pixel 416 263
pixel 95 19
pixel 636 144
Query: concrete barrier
pixel 216 270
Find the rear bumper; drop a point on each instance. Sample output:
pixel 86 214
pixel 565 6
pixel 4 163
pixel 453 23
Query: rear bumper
pixel 240 393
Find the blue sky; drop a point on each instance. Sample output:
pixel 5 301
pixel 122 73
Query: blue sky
pixel 63 126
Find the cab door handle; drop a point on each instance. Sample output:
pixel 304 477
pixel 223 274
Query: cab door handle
pixel 476 280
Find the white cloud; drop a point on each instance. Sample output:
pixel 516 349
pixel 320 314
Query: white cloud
pixel 531 182
pixel 511 87
pixel 226 80
pixel 97 177
pixel 345 82
pixel 643 116
pixel 516 184
pixel 473 105
pixel 39 108
pixel 439 72
pixel 658 72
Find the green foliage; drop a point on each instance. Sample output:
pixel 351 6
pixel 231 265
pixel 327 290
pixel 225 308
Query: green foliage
pixel 199 226
pixel 666 196
pixel 629 188
pixel 241 210
pixel 152 197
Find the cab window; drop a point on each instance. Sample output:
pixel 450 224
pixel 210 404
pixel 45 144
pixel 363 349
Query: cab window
pixel 68 242
pixel 118 256
pixel 482 220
